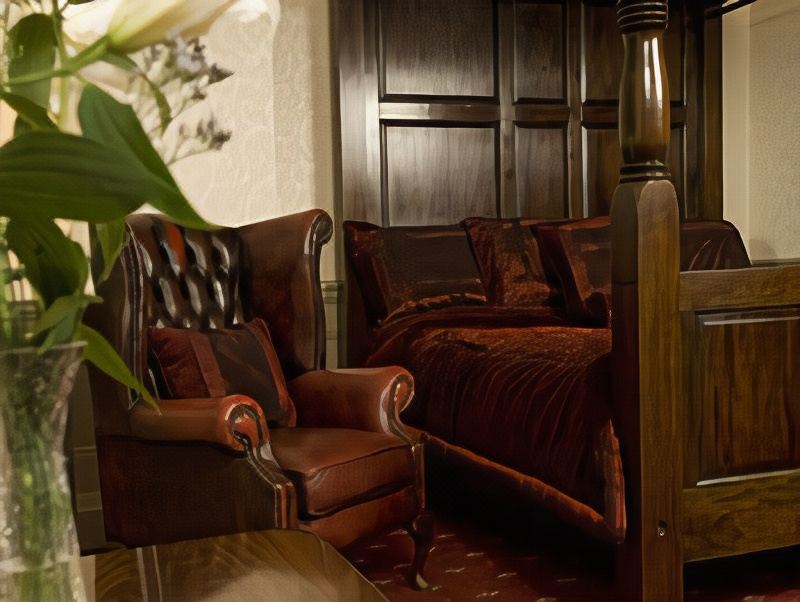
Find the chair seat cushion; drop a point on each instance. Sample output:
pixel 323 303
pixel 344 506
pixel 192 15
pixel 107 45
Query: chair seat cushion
pixel 336 468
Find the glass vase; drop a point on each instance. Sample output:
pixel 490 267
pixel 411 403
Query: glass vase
pixel 38 545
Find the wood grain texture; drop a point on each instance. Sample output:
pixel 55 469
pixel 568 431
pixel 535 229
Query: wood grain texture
pixel 542 167
pixel 437 47
pixel 745 393
pixel 753 287
pixel 355 29
pixel 534 63
pixel 601 165
pixel 279 564
pixel 436 173
pixel 602 53
pixel 646 372
pixel 742 516
pixel 539 59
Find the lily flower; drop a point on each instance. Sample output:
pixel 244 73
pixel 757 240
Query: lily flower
pixel 131 25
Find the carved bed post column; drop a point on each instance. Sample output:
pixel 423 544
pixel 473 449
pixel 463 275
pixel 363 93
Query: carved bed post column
pixel 646 321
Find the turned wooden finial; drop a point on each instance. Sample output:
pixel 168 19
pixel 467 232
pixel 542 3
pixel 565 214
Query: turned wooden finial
pixel 644 120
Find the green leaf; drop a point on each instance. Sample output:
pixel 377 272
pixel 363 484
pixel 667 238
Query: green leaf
pixel 61 308
pixel 115 125
pixel 54 265
pixel 50 175
pixel 28 111
pixel 99 352
pixel 61 319
pixel 109 237
pixel 32 48
pixel 121 60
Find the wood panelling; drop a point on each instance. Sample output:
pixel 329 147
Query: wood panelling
pixel 602 53
pixel 542 172
pixel 744 395
pixel 601 162
pixel 730 518
pixel 754 287
pixel 539 51
pixel 437 47
pixel 434 173
pixel 528 69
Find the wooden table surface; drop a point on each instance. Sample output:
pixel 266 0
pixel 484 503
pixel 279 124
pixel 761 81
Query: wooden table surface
pixel 280 564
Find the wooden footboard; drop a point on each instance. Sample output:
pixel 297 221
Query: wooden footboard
pixel 706 379
pixel 740 412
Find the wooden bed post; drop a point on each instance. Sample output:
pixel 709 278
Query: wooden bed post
pixel 646 321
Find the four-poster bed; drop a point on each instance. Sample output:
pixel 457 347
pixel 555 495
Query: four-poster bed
pixel 705 382
pixel 705 399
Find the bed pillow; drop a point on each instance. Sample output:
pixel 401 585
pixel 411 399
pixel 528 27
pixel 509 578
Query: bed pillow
pixel 579 253
pixel 507 255
pixel 227 361
pixel 406 264
pixel 712 245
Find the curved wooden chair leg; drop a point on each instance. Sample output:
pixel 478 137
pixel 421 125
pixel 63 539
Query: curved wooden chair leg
pixel 421 531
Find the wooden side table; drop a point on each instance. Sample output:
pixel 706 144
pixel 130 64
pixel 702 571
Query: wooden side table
pixel 280 564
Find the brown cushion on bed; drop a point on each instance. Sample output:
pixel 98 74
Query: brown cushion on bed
pixel 401 264
pixel 712 245
pixel 508 259
pixel 230 361
pixel 580 254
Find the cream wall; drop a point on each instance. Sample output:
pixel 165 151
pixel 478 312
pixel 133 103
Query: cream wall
pixel 279 106
pixel 762 126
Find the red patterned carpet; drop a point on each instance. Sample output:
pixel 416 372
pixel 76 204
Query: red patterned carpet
pixel 474 560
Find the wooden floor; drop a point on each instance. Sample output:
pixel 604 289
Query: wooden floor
pixel 473 560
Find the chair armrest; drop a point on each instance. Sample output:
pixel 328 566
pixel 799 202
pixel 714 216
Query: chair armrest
pixel 222 420
pixel 367 399
pixel 280 280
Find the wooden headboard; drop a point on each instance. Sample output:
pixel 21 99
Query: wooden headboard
pixel 458 108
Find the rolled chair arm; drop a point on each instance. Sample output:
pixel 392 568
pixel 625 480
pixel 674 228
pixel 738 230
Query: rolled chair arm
pixel 226 421
pixel 368 399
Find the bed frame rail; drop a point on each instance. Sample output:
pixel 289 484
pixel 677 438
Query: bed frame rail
pixel 741 410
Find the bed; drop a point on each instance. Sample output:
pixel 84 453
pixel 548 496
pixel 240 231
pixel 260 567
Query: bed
pixel 703 390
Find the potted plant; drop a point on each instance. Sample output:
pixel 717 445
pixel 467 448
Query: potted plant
pixel 91 161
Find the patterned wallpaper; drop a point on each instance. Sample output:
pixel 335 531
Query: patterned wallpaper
pixel 775 130
pixel 278 105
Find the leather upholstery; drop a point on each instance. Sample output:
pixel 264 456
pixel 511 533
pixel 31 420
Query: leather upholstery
pixel 349 398
pixel 211 465
pixel 334 468
pixel 217 420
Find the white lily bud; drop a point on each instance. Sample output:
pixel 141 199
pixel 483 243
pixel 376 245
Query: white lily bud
pixel 134 24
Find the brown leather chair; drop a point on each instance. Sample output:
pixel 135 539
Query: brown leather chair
pixel 205 467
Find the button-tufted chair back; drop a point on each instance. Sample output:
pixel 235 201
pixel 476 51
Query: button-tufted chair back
pixel 190 277
pixel 168 275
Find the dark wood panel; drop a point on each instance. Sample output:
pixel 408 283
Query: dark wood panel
pixel 542 172
pixel 439 111
pixel 744 394
pixel 741 516
pixel 753 287
pixel 438 47
pixel 676 161
pixel 539 45
pixel 602 53
pixel 439 175
pixel 601 163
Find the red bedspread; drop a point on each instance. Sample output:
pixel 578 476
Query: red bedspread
pixel 518 390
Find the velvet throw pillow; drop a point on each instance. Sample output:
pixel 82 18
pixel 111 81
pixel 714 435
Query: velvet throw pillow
pixel 403 265
pixel 579 252
pixel 508 260
pixel 227 361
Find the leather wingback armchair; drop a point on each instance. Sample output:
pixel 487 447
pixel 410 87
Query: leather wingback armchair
pixel 205 467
